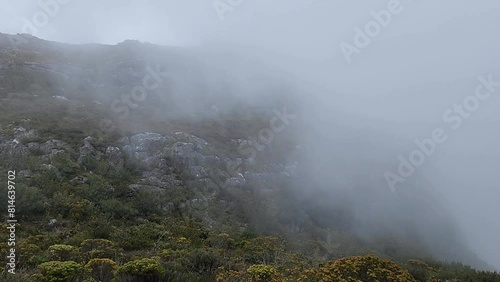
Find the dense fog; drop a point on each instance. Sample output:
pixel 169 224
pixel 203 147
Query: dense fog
pixel 398 100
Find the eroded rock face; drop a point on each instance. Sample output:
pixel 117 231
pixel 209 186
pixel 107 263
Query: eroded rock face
pixel 192 157
pixel 51 148
pixel 163 156
pixel 145 148
pixel 184 155
pixel 11 147
pixel 88 151
pixel 159 178
pixel 147 142
pixel 21 132
pixel 165 161
pixel 115 157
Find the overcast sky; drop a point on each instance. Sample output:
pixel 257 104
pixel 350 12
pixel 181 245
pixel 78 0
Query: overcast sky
pixel 308 29
pixel 177 22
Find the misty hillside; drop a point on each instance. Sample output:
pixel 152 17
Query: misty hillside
pixel 139 162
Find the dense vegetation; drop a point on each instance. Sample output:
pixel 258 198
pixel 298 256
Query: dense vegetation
pixel 98 229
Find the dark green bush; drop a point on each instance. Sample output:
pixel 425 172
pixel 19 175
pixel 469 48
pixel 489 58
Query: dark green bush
pixel 101 269
pixel 203 261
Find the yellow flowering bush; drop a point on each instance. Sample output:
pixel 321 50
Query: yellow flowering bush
pixel 358 269
pixel 141 270
pixel 60 271
pixel 262 273
pixel 63 252
pixel 229 275
pixel 254 273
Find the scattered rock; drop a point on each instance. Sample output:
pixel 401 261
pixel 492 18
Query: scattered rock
pixel 21 133
pixel 146 142
pixel 238 180
pixel 62 98
pixel 12 148
pixel 47 167
pixel 52 148
pixel 198 172
pixel 33 146
pixel 25 173
pixel 138 187
pixel 79 180
pixel 88 151
pixel 115 157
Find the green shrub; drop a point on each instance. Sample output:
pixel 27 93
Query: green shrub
pixel 98 248
pixel 172 255
pixel 101 269
pixel 262 250
pixel 31 204
pixel 80 209
pixel 67 167
pixel 203 261
pixel 360 268
pixel 222 240
pixel 262 273
pixel 61 271
pixel 97 189
pixel 29 254
pixel 141 270
pixel 63 252
pixel 138 237
pixel 117 209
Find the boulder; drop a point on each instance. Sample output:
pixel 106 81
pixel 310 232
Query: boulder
pixel 88 151
pixel 115 157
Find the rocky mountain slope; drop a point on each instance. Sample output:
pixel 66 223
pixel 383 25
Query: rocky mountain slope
pixel 137 154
